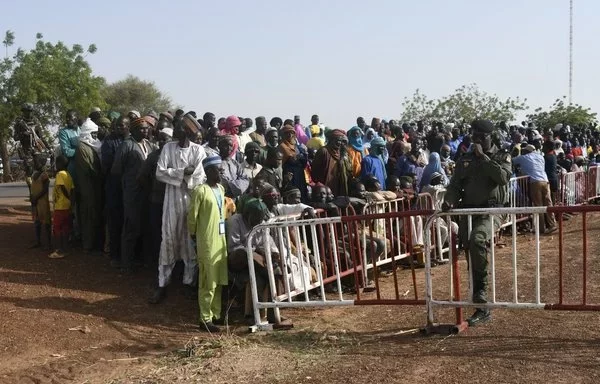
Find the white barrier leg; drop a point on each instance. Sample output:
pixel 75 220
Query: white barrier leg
pixel 470 227
pixel 284 267
pixel 336 260
pixel 300 257
pixel 450 249
pixel 493 258
pixel 428 282
pixel 438 237
pixel 253 288
pixel 271 272
pixel 317 261
pixel 514 258
pixel 537 258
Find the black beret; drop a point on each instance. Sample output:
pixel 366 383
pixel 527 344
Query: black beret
pixel 482 126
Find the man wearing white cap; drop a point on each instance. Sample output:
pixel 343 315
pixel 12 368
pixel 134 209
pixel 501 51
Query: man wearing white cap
pixel 206 224
pixel 180 168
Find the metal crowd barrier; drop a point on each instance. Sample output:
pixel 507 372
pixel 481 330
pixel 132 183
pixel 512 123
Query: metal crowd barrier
pixel 332 241
pixel 518 196
pixel 573 188
pixel 537 282
pixel 405 234
pixel 593 184
pixel 516 298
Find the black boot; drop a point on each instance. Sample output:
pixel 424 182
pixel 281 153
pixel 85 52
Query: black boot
pixel 481 315
pixel 209 327
pixel 158 295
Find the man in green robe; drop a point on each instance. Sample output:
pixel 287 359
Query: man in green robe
pixel 206 224
pixel 89 168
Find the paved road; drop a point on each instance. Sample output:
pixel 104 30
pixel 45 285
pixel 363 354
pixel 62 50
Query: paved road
pixel 13 194
pixel 18 189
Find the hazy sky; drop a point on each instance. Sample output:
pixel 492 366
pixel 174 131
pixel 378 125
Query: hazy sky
pixel 338 58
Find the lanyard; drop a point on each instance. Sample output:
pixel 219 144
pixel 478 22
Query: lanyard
pixel 219 199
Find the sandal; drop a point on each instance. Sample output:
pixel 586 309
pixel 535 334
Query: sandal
pixel 56 255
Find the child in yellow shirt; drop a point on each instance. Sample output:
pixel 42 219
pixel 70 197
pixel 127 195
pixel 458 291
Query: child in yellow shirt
pixel 63 192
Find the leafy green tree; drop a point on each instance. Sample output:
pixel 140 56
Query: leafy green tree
pixel 54 77
pixel 562 112
pixel 133 93
pixel 465 104
pixel 7 113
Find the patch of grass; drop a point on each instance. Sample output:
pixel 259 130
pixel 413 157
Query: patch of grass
pixel 210 347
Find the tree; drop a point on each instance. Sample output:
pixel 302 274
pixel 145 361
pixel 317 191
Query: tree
pixel 6 112
pixel 133 93
pixel 563 113
pixel 54 77
pixel 466 104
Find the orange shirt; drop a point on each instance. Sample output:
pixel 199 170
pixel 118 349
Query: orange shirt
pixel 355 159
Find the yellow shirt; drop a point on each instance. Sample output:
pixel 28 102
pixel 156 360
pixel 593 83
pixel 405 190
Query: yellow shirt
pixel 60 200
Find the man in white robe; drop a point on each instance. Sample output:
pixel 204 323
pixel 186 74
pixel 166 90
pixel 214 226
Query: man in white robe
pixel 180 168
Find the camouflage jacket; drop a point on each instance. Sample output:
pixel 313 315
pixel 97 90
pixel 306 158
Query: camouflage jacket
pixel 480 182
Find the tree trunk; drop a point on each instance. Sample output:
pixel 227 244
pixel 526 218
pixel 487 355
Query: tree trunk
pixel 5 160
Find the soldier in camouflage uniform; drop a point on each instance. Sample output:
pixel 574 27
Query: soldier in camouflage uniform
pixel 479 181
pixel 28 132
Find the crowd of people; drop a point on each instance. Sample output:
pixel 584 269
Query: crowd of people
pixel 154 189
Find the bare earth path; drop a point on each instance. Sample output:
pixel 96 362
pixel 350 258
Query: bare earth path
pixel 121 339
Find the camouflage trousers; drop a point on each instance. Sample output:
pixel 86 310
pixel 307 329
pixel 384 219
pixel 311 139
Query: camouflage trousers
pixel 477 245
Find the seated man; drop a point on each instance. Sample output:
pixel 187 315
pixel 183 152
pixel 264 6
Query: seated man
pixel 319 199
pixel 402 188
pixel 358 196
pixel 374 190
pixel 271 197
pixel 252 193
pixel 238 228
pixel 291 195
pixel 436 189
pixel 297 244
pixel 376 240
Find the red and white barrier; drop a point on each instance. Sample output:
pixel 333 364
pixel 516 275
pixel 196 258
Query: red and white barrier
pixel 593 183
pixel 518 297
pixel 573 188
pixel 332 255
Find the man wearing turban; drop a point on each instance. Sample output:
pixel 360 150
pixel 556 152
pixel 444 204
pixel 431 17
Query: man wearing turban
pixel 128 161
pixel 330 167
pixel 90 180
pixel 356 149
pixel 373 164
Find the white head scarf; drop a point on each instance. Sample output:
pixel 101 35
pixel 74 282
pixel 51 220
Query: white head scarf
pixel 167 131
pixel 85 134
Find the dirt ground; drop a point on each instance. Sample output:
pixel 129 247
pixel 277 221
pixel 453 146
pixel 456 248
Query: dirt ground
pixel 76 320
